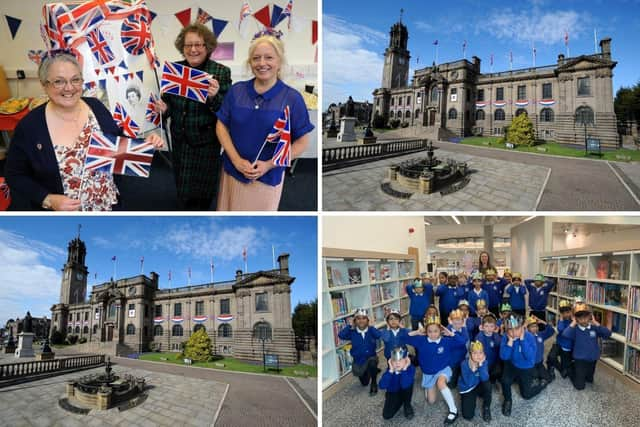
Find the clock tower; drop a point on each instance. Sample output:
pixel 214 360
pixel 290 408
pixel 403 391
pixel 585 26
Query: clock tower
pixel 396 57
pixel 74 274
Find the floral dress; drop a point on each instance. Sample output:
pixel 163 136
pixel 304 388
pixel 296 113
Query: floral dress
pixel 95 190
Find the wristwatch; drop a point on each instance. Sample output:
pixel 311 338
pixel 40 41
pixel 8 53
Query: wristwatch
pixel 46 203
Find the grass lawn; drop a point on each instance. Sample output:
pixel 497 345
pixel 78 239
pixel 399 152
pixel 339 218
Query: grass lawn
pixel 231 364
pixel 554 149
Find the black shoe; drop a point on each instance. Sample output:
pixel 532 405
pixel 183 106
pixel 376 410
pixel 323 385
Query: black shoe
pixel 374 389
pixel 564 373
pixel 450 420
pixel 486 414
pixel 552 374
pixel 408 412
pixel 506 408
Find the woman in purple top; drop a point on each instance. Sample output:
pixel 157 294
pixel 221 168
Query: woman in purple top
pixel 246 117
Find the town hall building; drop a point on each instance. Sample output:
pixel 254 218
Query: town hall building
pixel 131 315
pixel 564 101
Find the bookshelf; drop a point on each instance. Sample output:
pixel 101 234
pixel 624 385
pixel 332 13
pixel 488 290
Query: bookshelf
pixel 608 279
pixel 353 279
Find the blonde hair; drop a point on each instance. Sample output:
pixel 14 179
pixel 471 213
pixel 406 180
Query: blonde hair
pixel 277 46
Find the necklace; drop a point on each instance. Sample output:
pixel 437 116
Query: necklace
pixel 258 101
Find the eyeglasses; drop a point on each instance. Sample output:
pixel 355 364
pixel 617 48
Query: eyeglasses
pixel 196 45
pixel 62 83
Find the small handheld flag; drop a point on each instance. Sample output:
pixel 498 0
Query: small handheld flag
pixel 119 155
pixel 184 81
pixel 125 122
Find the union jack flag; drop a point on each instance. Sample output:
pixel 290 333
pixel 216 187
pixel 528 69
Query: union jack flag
pixel 136 34
pixel 100 47
pixel 203 16
pixel 125 122
pixel 184 81
pixel 151 114
pixel 244 12
pixel 81 17
pixel 287 13
pixel 281 134
pixel 119 155
pixel 5 195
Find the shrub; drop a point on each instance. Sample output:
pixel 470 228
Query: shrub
pixel 394 123
pixel 405 124
pixel 521 131
pixel 57 337
pixel 198 347
pixel 82 340
pixel 378 121
pixel 72 339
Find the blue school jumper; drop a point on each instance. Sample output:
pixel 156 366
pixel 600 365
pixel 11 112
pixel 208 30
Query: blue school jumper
pixel 361 348
pixel 473 298
pixel 538 296
pixel 394 382
pixel 494 291
pixel 391 340
pixel 449 297
pixel 458 354
pixel 585 342
pixel 516 296
pixel 491 346
pixel 522 353
pixel 541 337
pixel 419 303
pixel 565 343
pixel 434 356
pixel 469 379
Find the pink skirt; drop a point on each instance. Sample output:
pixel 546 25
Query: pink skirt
pixel 253 196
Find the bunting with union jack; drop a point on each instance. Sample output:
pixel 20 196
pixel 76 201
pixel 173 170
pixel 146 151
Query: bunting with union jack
pixel 184 81
pixel 119 155
pixel 135 33
pixel 151 114
pixel 281 134
pixel 125 122
pixel 99 47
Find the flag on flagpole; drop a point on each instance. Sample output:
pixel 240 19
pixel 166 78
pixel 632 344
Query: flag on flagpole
pixel 189 274
pixel 244 257
pixel 142 265
pixel 464 49
pixel 119 155
pixel 169 277
pixel 534 54
pixel 435 43
pixel 113 258
pixel 566 42
pixel 211 265
pixel 491 62
pixel 184 81
pixel 511 60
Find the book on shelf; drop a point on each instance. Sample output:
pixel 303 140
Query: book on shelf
pixel 345 361
pixel 616 322
pixel 599 315
pixel 634 330
pixel 329 277
pixel 385 271
pixel 339 325
pixel 611 348
pixel 372 273
pixel 387 293
pixel 375 294
pixel 337 277
pixel 339 303
pixel 582 270
pixel 404 269
pixel 634 296
pixel 602 271
pixel 633 362
pixel 572 288
pixel 404 305
pixel 616 271
pixel 355 275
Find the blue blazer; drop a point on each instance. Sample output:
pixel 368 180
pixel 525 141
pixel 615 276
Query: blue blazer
pixel 32 169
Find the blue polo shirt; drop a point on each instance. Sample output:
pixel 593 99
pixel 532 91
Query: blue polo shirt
pixel 419 303
pixel 522 353
pixel 585 342
pixel 250 117
pixel 361 348
pixel 538 296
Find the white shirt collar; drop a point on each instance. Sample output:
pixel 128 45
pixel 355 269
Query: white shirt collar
pixel 584 328
pixel 361 331
pixel 432 341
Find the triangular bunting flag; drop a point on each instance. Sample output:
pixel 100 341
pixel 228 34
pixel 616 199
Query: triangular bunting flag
pixel 125 77
pixel 218 26
pixel 14 24
pixel 97 70
pixel 117 79
pixel 102 84
pixel 203 17
pixel 184 16
pixel 263 16
pixel 139 74
pixel 152 15
pixel 275 15
pixel 111 70
pixel 314 31
pixel 123 65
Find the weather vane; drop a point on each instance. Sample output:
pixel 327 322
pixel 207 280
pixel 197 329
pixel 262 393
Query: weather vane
pixel 79 227
pixel 401 11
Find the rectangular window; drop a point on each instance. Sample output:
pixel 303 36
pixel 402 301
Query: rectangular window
pixel 262 302
pixel 500 94
pixel 468 95
pixel 546 91
pixel 146 311
pixel 454 94
pixel 522 92
pixel 377 102
pixel 399 101
pixel 418 98
pixel 132 310
pixel 86 315
pixel 408 100
pixel 77 316
pixel 158 311
pixel 55 317
pixel 97 315
pixel 584 86
pixel 177 309
pixel 199 308
pixel 224 306
pixel 392 100
pixel 480 94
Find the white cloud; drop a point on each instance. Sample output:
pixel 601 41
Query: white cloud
pixel 425 26
pixel 28 283
pixel 526 26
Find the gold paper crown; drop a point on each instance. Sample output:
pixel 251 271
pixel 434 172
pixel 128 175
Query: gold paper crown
pixel 476 346
pixel 531 321
pixel 564 304
pixel 393 312
pixel 456 314
pixel 516 276
pixel 463 302
pixel 507 271
pixel 361 312
pixel 481 303
pixel 489 271
pixel 476 276
pixel 431 320
pixel 581 307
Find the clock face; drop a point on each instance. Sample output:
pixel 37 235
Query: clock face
pixel 132 290
pixel 79 275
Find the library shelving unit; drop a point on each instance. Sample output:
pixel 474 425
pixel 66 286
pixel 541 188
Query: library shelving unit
pixel 359 279
pixel 608 279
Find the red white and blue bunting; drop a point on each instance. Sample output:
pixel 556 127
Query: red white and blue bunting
pixel 547 102
pixel 199 319
pixel 177 319
pixel 158 319
pixel 225 318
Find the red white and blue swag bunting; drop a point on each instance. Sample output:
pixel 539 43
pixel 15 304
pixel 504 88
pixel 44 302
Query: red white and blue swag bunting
pixel 177 319
pixel 119 155
pixel 184 81
pixel 158 319
pixel 125 122
pixel 281 135
pixel 199 319
pixel 224 318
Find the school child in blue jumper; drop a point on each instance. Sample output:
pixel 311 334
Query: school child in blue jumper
pixel 363 349
pixel 494 289
pixel 435 361
pixel 491 339
pixel 473 323
pixel 474 382
pixel 450 294
pixel 420 297
pixel 457 326
pixel 584 331
pixel 394 335
pixel 506 278
pixel 518 352
pixel 505 313
pixel 398 382
pixel 538 295
pixel 563 346
pixel 469 322
pixel 516 294
pixel 476 292
pixel 542 373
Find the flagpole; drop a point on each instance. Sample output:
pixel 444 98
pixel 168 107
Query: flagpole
pixel 595 41
pixel 273 256
pixel 189 276
pixel 211 266
pixel 142 265
pixel 115 261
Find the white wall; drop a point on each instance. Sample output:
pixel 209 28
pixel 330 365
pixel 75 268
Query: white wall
pixel 375 233
pixel 527 243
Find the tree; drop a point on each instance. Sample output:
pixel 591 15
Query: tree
pixel 198 348
pixel 521 131
pixel 305 319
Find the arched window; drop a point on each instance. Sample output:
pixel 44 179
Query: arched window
pixel 176 331
pixel 392 99
pixel 407 114
pixel 417 113
pixel 95 329
pixel 520 111
pixel 434 94
pixel 225 331
pixel 408 99
pixel 453 114
pixel 77 329
pixel 69 329
pixel 499 114
pixel 262 330
pixel 131 330
pixel 157 331
pixel 584 115
pixel 198 327
pixel 546 115
pixel 85 330
pixel 480 115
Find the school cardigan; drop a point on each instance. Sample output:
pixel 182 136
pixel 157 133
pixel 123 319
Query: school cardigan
pixel 32 170
pixel 361 348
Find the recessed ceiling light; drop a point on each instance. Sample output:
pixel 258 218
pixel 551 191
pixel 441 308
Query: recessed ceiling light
pixel 455 219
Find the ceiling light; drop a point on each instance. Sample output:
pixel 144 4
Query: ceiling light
pixel 455 219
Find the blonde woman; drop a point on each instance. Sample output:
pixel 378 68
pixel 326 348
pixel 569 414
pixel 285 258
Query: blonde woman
pixel 246 117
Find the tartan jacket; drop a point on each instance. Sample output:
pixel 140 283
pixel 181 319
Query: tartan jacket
pixel 194 122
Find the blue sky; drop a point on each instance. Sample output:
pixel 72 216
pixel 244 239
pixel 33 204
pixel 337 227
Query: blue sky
pixel 355 34
pixel 33 252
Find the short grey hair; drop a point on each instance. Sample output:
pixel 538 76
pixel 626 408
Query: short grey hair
pixel 45 64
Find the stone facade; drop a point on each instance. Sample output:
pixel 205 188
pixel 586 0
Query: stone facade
pixel 132 315
pixel 455 99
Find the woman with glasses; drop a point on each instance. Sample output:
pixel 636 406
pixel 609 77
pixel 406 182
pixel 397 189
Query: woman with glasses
pixel 45 163
pixel 195 146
